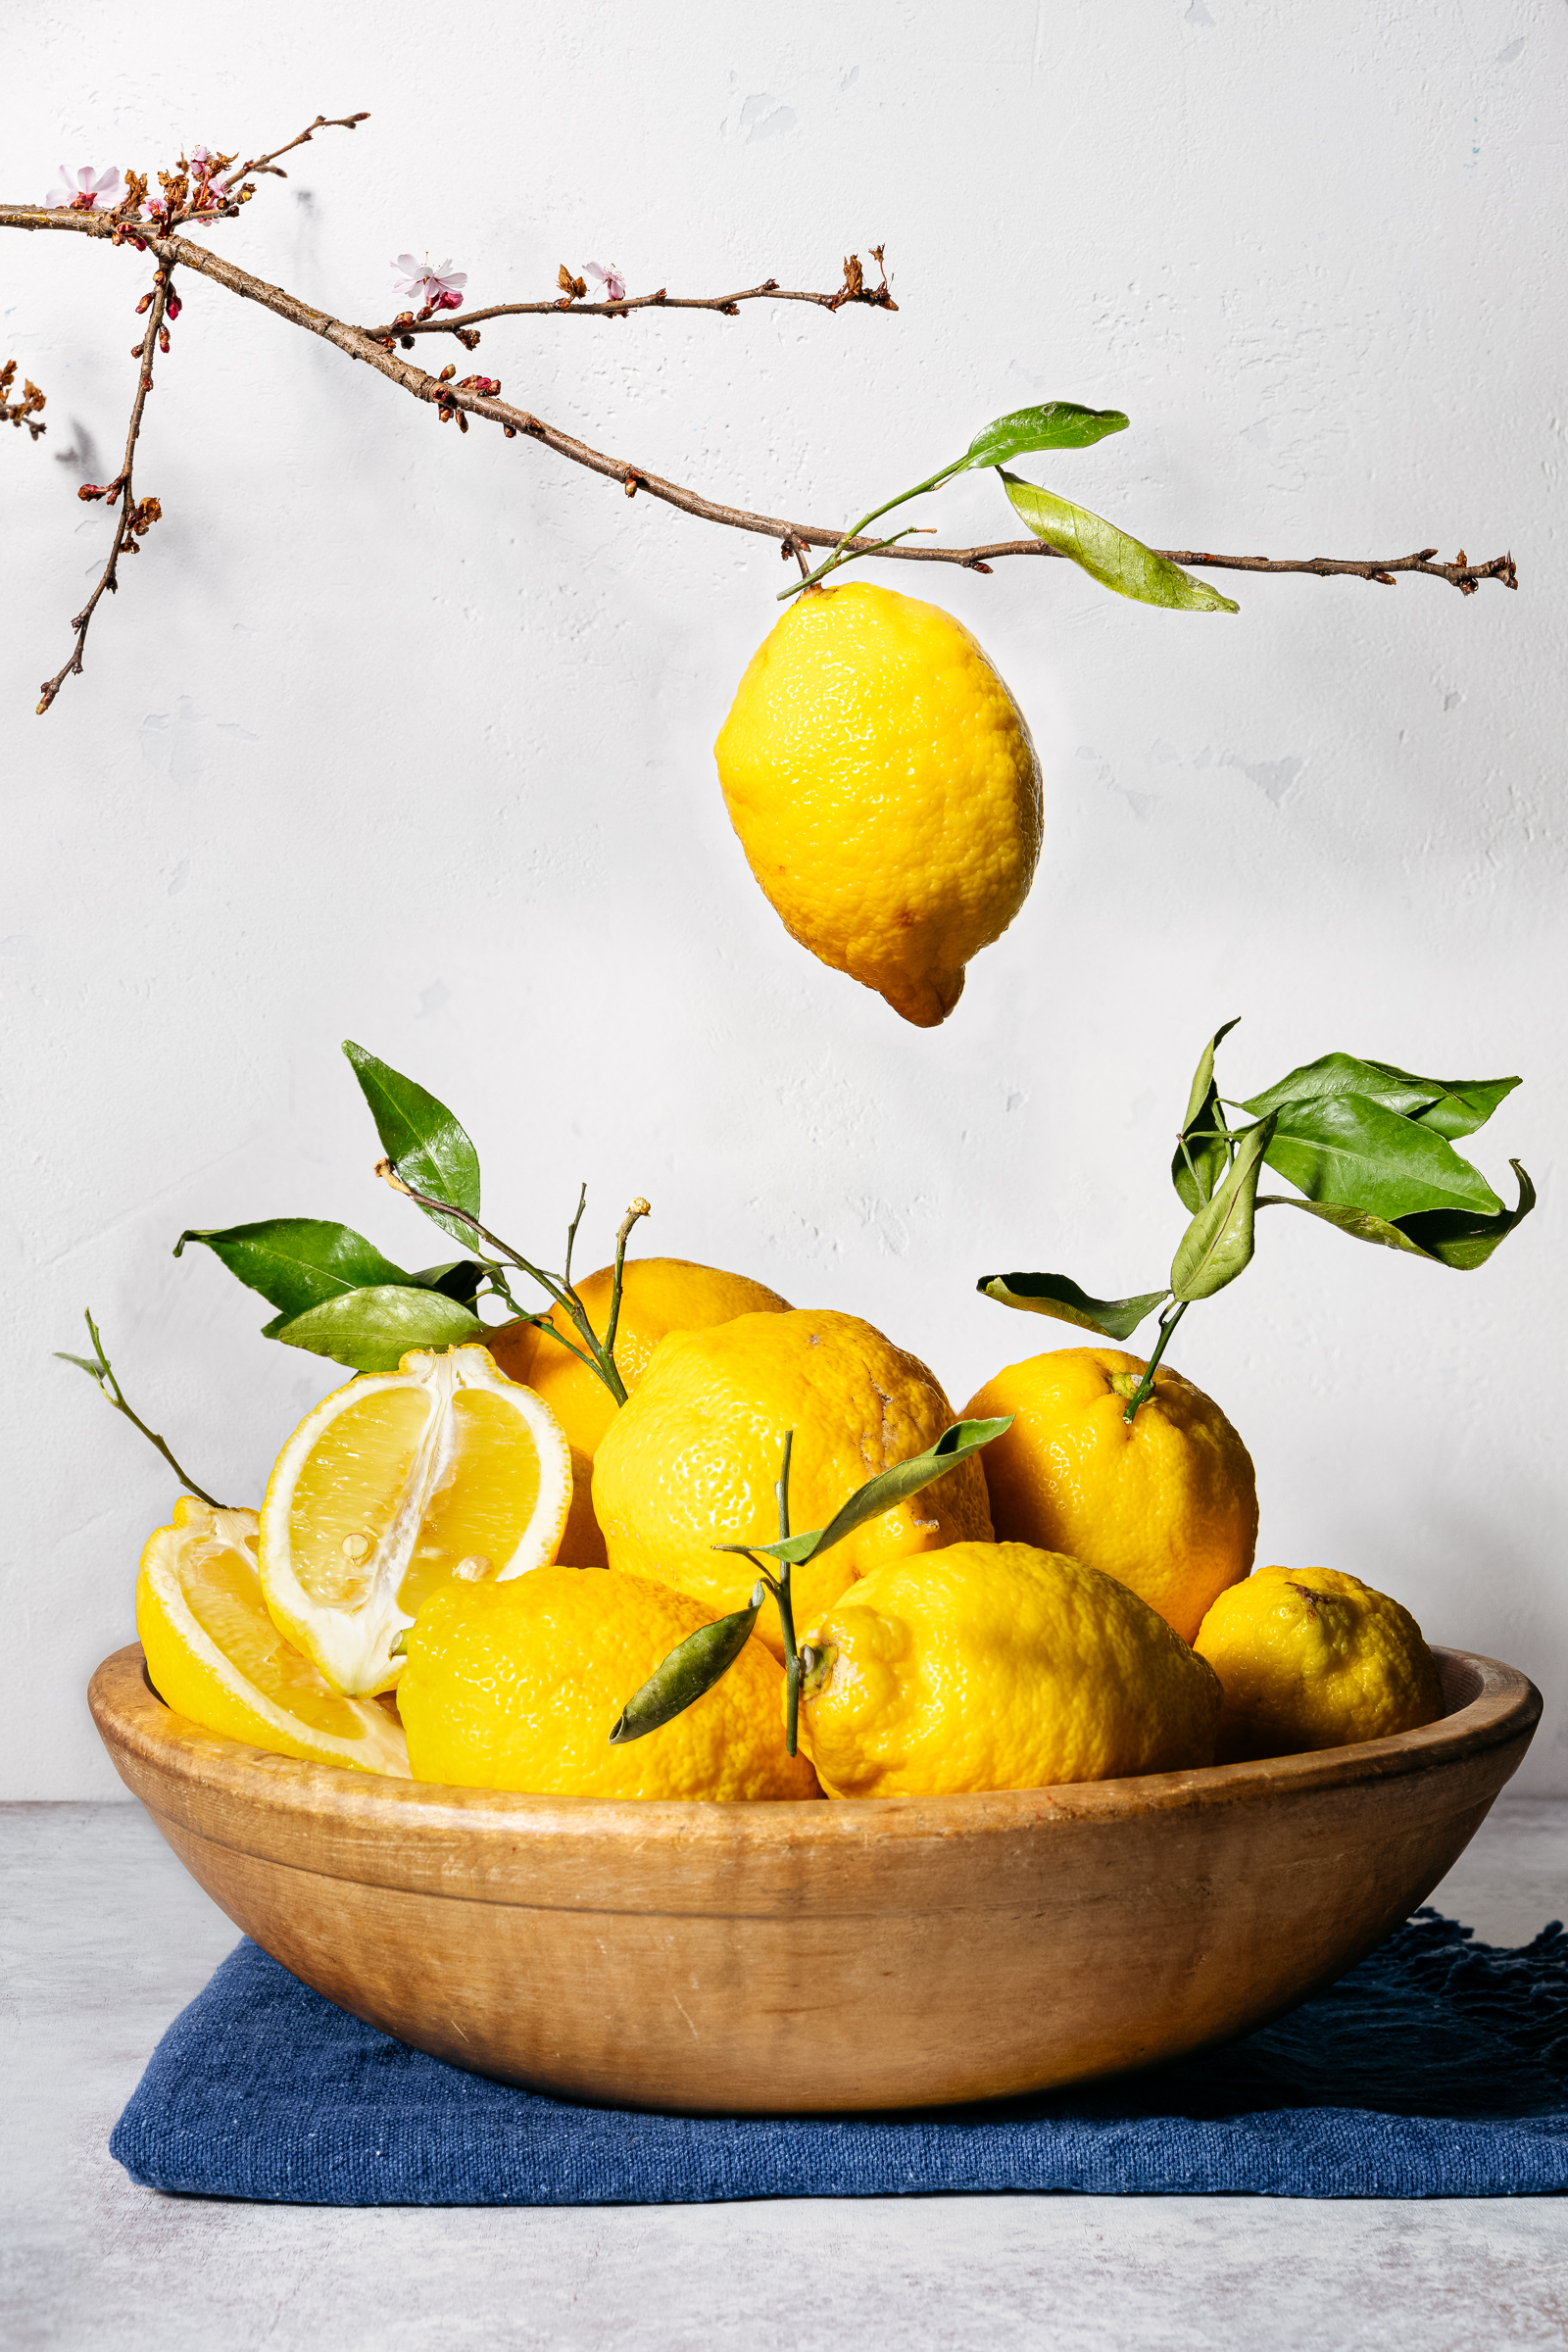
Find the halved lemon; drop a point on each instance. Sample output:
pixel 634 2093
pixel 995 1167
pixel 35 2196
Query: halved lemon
pixel 215 1655
pixel 395 1485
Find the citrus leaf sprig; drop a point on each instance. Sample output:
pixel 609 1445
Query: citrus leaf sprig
pixel 1109 555
pixel 98 1368
pixel 337 1296
pixel 705 1657
pixel 1369 1148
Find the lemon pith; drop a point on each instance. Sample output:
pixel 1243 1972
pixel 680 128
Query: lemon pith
pixel 692 1457
pixel 517 1687
pixel 396 1484
pixel 885 790
pixel 1311 1658
pixel 998 1666
pixel 1167 1502
pixel 215 1656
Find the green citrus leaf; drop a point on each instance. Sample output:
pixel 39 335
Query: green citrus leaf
pixel 1217 1244
pixel 424 1143
pixel 691 1669
pixel 880 1494
pixel 370 1330
pixel 1466 1242
pixel 1360 1223
pixel 1110 556
pixel 1053 424
pixel 1198 1169
pixel 1356 1154
pixel 458 1279
pixel 1462 1105
pixel 1056 1295
pixel 296 1262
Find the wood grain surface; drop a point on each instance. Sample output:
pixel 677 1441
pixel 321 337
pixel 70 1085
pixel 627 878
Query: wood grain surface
pixel 799 1958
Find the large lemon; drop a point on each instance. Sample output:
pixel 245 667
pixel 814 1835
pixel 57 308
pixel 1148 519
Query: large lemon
pixel 1166 1502
pixel 998 1666
pixel 657 1294
pixel 516 1685
pixel 691 1459
pixel 1309 1657
pixel 885 790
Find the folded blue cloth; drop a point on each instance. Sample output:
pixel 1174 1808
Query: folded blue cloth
pixel 1439 2068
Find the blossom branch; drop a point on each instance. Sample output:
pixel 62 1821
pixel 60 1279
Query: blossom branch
pixel 853 290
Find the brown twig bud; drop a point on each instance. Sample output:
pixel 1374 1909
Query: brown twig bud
pixel 574 288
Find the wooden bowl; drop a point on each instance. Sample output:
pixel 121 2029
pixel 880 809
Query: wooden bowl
pixel 812 1957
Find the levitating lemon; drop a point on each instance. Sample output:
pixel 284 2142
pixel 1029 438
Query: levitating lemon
pixel 1309 1657
pixel 691 1459
pixel 657 1294
pixel 998 1666
pixel 215 1657
pixel 885 790
pixel 1166 1502
pixel 517 1686
pixel 393 1486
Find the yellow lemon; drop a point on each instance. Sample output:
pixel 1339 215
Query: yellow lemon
pixel 517 1687
pixel 215 1657
pixel 393 1486
pixel 885 790
pixel 657 1294
pixel 1167 1504
pixel 692 1457
pixel 998 1666
pixel 1309 1657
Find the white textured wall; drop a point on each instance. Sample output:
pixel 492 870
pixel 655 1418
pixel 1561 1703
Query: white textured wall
pixel 405 737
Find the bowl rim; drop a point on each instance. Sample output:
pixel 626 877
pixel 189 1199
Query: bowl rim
pixel 135 1723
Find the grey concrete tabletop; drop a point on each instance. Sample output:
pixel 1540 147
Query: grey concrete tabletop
pixel 104 1938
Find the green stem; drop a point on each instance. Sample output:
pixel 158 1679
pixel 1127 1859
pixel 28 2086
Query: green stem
pixel 571 1232
pixel 113 1393
pixel 1146 1387
pixel 638 1208
pixel 786 1611
pixel 836 556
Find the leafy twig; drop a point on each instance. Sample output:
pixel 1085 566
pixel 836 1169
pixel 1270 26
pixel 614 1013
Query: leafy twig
pixel 100 1369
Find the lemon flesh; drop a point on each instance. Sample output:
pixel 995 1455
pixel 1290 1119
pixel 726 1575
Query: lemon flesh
pixel 885 790
pixel 1311 1658
pixel 692 1458
pixel 1166 1502
pixel 998 1666
pixel 215 1656
pixel 393 1486
pixel 516 1685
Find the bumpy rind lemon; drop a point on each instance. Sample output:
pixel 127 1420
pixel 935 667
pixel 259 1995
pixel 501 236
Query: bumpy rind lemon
pixel 658 1295
pixel 998 1666
pixel 1166 1503
pixel 692 1457
pixel 885 790
pixel 517 1687
pixel 394 1485
pixel 1309 1658
pixel 215 1657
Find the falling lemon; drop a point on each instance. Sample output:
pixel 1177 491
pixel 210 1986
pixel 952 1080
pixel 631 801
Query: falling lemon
pixel 397 1485
pixel 885 790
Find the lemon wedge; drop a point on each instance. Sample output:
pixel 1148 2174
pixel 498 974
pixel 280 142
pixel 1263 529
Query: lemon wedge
pixel 396 1486
pixel 215 1655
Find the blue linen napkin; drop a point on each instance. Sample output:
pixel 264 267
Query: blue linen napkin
pixel 1439 2068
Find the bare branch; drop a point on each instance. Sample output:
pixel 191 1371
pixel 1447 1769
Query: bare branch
pixel 268 162
pixel 480 397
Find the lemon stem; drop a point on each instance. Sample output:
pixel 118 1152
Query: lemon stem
pixel 638 1208
pixel 786 1612
pixel 109 1387
pixel 1146 1387
pixel 837 555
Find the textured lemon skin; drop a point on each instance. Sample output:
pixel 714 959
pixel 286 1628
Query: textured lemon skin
pixel 885 790
pixel 517 1687
pixel 693 1457
pixel 999 1666
pixel 260 1689
pixel 1167 1504
pixel 1309 1658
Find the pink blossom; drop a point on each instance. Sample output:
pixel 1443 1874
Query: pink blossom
pixel 435 287
pixel 85 192
pixel 200 162
pixel 156 209
pixel 610 279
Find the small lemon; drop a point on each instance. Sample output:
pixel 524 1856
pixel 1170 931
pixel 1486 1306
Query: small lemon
pixel 692 1457
pixel 998 1666
pixel 1166 1502
pixel 657 1294
pixel 885 790
pixel 1309 1657
pixel 516 1685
